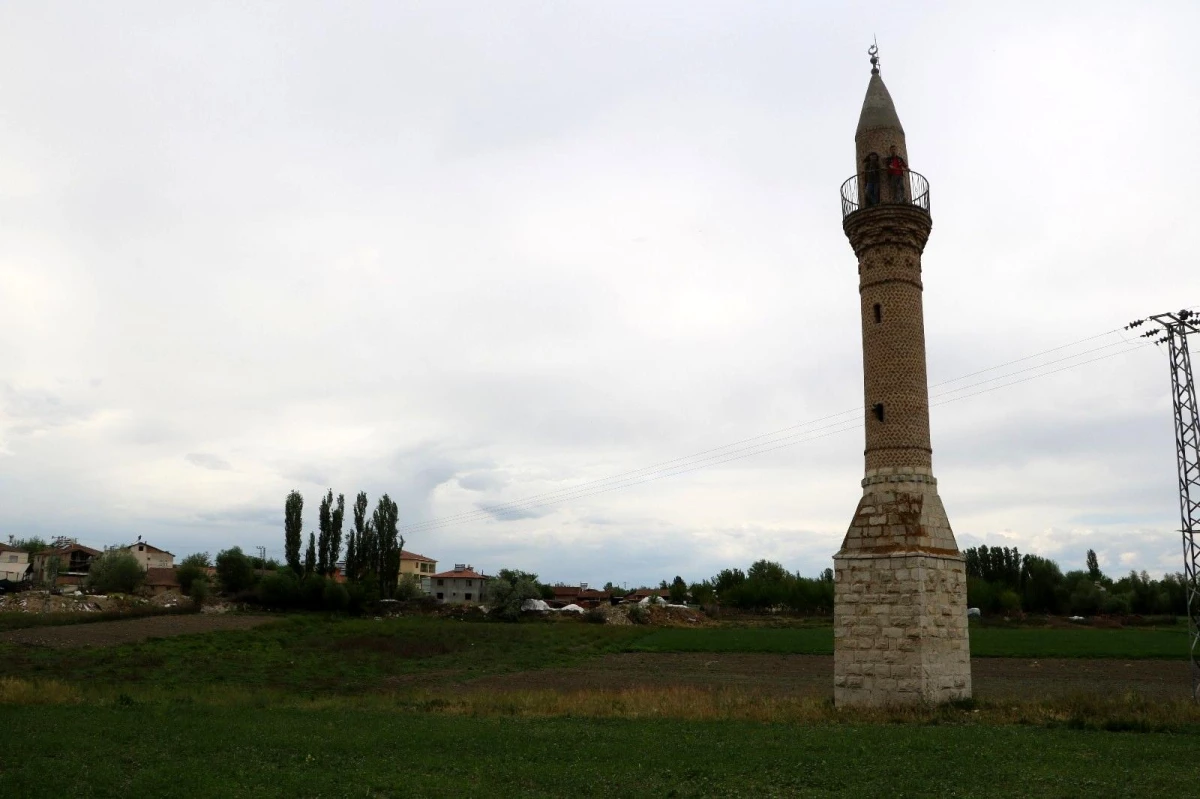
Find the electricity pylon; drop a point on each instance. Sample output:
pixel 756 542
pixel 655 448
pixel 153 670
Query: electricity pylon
pixel 1175 329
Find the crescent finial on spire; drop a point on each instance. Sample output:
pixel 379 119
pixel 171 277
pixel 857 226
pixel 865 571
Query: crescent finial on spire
pixel 873 51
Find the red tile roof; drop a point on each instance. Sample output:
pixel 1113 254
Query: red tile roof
pixel 149 548
pixel 464 573
pixel 7 548
pixel 69 549
pixel 406 555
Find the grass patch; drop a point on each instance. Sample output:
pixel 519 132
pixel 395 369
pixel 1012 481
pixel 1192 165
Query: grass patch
pixel 320 654
pixel 985 641
pixel 25 621
pixel 134 749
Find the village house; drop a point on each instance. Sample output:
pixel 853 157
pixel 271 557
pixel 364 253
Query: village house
pixel 160 580
pixel 461 585
pixel 14 564
pixel 65 563
pixel 150 557
pixel 421 567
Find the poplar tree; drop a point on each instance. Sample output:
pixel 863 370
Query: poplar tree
pixel 293 529
pixel 324 523
pixel 390 545
pixel 310 556
pixel 360 537
pixel 335 531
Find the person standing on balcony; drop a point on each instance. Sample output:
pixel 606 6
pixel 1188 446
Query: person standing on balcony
pixel 897 170
pixel 871 176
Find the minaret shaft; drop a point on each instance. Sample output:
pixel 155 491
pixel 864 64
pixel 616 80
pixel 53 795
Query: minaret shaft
pixel 900 624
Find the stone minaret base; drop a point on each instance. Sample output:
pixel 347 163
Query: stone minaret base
pixel 900 598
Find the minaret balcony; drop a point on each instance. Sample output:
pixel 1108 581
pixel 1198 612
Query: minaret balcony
pixel 860 194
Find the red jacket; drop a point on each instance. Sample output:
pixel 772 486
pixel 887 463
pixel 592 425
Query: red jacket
pixel 895 165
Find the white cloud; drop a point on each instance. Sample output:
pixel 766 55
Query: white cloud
pixel 472 258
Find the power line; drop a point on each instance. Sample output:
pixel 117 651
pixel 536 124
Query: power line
pixel 771 435
pixel 719 455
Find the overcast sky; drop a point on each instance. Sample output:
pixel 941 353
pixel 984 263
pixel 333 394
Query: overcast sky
pixel 470 253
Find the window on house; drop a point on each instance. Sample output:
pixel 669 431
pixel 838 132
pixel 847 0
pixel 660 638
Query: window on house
pixel 467 597
pixel 879 411
pixel 441 582
pixel 878 313
pixel 468 583
pixel 440 595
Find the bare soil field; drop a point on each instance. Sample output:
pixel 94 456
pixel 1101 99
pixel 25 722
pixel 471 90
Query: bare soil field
pixel 812 675
pixel 110 633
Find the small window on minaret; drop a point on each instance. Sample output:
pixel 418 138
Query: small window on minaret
pixel 878 313
pixel 879 411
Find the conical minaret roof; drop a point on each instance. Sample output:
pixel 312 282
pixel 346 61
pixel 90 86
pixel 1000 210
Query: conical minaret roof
pixel 878 111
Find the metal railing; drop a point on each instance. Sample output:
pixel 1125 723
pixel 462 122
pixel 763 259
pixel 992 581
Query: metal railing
pixel 911 188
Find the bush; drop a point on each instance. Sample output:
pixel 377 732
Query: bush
pixel 234 570
pixel 408 587
pixel 115 571
pixel 639 614
pixel 279 590
pixel 192 568
pixel 198 591
pixel 509 591
pixel 335 597
pixel 595 616
pixel 312 592
pixel 1009 601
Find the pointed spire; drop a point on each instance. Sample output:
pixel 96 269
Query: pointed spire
pixel 878 110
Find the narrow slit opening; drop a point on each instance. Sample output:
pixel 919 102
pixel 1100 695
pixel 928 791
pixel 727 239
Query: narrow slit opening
pixel 879 411
pixel 878 313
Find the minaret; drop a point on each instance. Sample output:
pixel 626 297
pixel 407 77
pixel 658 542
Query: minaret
pixel 900 591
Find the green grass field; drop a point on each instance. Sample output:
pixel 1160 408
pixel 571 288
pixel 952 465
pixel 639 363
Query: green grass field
pixel 321 654
pixel 320 706
pixel 188 751
pixel 1079 642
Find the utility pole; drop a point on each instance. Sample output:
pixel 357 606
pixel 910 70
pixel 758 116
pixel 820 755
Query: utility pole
pixel 1175 329
pixel 262 560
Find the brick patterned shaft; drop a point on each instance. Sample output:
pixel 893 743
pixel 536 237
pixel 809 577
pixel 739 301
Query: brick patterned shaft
pixel 900 589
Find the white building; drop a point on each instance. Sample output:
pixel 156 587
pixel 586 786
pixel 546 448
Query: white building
pixel 461 585
pixel 149 557
pixel 14 564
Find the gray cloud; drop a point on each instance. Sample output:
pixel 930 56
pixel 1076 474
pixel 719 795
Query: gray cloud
pixel 581 242
pixel 206 460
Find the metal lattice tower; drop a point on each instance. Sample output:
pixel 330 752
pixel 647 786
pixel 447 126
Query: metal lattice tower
pixel 1176 327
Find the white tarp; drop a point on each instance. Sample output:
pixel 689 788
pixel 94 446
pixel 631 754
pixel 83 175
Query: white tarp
pixel 653 599
pixel 572 609
pixel 534 604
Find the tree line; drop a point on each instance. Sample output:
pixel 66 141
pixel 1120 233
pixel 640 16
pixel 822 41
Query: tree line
pixel 1002 580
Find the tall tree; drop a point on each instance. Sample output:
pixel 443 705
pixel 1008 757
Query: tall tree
pixel 324 523
pixel 361 544
pixel 1093 565
pixel 293 529
pixel 384 521
pixel 351 556
pixel 310 556
pixel 335 531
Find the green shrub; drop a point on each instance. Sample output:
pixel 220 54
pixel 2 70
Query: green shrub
pixel 312 592
pixel 115 571
pixel 1009 601
pixel 279 590
pixel 408 587
pixel 595 616
pixel 234 570
pixel 198 590
pixel 335 596
pixel 639 614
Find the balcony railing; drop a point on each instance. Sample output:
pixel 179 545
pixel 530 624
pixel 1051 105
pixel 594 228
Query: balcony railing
pixel 910 188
